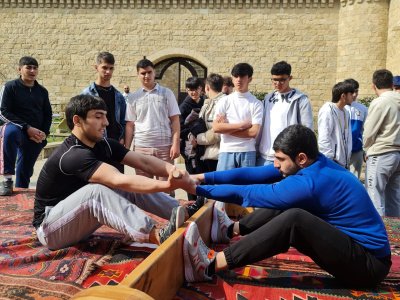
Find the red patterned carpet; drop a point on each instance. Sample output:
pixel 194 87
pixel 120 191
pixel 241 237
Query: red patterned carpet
pixel 294 276
pixel 30 271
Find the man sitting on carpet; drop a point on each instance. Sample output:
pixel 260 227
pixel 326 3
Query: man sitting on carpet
pixel 78 189
pixel 308 202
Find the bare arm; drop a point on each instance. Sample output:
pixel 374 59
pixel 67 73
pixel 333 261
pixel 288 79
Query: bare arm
pixel 129 131
pixel 221 125
pixel 248 133
pixel 148 164
pixel 176 131
pixel 111 177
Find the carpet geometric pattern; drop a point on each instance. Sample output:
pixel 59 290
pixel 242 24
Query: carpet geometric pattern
pixel 29 270
pixel 295 276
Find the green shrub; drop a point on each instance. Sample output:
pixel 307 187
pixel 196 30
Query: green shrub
pixel 366 100
pixel 259 95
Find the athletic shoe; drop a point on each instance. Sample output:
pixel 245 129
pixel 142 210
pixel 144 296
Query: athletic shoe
pixel 176 220
pixel 193 208
pixel 220 225
pixel 197 256
pixel 220 205
pixel 6 188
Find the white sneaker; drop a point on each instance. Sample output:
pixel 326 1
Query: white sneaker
pixel 220 205
pixel 197 256
pixel 219 227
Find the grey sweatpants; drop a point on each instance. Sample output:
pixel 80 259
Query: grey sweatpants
pixel 356 161
pixel 382 181
pixel 80 214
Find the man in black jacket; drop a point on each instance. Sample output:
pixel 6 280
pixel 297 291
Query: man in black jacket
pixel 25 113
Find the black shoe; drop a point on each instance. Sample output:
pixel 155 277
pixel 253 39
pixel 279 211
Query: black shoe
pixel 176 220
pixel 193 208
pixel 6 188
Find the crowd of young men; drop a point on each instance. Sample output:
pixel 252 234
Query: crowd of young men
pixel 82 185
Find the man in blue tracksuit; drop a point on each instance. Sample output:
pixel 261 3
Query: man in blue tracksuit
pixel 308 202
pixel 26 114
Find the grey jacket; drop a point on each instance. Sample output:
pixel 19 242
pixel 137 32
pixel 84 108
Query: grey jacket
pixel 300 111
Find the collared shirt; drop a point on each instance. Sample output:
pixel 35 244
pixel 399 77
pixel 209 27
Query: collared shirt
pixel 151 112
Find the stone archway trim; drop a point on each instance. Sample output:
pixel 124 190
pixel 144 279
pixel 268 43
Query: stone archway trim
pixel 181 52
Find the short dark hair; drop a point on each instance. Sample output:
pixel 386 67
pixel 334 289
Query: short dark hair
pixel 295 139
pixel 193 83
pixel 383 79
pixel 281 68
pixel 143 64
pixel 105 57
pixel 241 70
pixel 28 61
pixel 228 81
pixel 215 81
pixel 80 105
pixel 354 82
pixel 341 88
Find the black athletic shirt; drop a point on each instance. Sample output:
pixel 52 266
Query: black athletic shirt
pixel 69 168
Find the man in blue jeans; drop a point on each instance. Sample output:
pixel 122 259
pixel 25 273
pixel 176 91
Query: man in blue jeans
pixel 307 202
pixel 26 115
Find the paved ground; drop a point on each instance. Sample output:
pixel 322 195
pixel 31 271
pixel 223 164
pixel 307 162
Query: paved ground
pixel 180 194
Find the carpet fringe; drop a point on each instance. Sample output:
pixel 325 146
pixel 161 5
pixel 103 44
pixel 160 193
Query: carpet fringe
pixel 92 265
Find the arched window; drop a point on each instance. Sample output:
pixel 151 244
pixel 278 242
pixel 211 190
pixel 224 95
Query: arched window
pixel 173 72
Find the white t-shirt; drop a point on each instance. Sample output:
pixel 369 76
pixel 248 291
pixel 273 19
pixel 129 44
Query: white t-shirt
pixel 150 111
pixel 275 124
pixel 238 107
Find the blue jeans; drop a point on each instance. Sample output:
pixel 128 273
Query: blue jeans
pixel 261 161
pixel 17 147
pixel 232 160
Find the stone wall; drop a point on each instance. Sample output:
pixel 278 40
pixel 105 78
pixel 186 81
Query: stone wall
pixel 324 40
pixel 393 45
pixel 362 40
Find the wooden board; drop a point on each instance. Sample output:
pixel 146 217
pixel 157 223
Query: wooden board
pixel 161 274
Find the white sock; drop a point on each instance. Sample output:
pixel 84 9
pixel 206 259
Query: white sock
pixel 8 177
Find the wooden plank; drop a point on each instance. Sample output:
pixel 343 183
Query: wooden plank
pixel 237 211
pixel 111 292
pixel 162 273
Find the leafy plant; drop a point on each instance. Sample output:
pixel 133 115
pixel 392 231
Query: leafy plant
pixel 366 100
pixel 259 95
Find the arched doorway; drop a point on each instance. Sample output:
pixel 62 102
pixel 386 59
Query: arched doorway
pixel 173 72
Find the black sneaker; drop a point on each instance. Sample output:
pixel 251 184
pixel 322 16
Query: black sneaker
pixel 6 188
pixel 193 208
pixel 176 220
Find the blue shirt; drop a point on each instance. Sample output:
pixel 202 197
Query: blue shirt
pixel 324 189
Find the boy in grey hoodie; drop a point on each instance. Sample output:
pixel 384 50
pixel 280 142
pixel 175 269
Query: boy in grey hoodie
pixel 283 107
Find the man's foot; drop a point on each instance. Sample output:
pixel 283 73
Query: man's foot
pixel 6 188
pixel 220 205
pixel 220 225
pixel 197 256
pixel 175 221
pixel 193 208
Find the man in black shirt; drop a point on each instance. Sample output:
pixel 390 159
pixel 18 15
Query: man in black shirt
pixel 79 190
pixel 26 115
